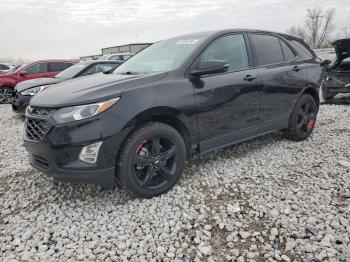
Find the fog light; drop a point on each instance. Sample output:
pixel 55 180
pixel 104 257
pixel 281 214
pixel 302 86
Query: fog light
pixel 89 153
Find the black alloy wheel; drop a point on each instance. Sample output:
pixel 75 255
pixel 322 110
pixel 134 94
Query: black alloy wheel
pixel 6 94
pixel 303 118
pixel 306 117
pixel 155 162
pixel 152 159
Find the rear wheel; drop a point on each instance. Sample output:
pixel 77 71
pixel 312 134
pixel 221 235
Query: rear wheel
pixel 152 159
pixel 6 94
pixel 302 119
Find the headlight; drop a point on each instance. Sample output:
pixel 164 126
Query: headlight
pixel 33 91
pixel 74 113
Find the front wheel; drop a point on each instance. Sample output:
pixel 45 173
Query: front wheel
pixel 6 94
pixel 302 119
pixel 152 159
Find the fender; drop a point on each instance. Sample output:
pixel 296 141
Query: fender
pixel 187 126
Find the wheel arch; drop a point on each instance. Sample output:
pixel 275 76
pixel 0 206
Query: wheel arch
pixel 166 115
pixel 311 90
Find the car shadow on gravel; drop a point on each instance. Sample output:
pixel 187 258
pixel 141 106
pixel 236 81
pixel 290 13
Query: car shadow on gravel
pixel 120 196
pixel 82 194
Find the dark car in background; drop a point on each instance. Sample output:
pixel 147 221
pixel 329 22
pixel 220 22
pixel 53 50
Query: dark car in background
pixel 5 67
pixel 186 95
pixel 337 78
pixel 38 69
pixel 25 90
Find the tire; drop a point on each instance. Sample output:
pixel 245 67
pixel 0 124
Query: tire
pixel 302 119
pixel 6 94
pixel 152 159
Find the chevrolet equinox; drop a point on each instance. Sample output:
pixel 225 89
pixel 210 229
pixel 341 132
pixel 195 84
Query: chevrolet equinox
pixel 186 95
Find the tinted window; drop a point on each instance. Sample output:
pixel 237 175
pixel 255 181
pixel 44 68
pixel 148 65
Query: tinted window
pixel 117 57
pixel 268 49
pixel 4 67
pixel 230 48
pixel 288 53
pixel 97 68
pixel 302 50
pixel 58 66
pixel 37 68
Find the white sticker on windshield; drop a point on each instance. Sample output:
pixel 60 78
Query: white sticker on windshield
pixel 187 42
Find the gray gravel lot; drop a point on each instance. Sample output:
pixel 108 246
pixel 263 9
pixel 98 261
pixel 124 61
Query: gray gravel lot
pixel 264 200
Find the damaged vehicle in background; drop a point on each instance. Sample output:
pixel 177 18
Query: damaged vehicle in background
pixel 337 75
pixel 25 90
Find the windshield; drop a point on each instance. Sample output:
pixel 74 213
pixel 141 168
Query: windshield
pixel 160 57
pixel 71 71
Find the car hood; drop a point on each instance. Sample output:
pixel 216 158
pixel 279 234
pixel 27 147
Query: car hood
pixel 342 48
pixel 89 89
pixel 37 82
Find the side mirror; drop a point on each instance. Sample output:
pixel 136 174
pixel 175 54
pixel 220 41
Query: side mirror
pixel 210 67
pixel 23 73
pixel 326 63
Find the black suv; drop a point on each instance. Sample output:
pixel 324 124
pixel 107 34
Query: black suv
pixel 186 95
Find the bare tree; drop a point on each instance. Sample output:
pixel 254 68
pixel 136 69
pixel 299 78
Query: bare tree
pixel 318 27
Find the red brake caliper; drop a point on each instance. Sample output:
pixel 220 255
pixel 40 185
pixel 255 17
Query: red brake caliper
pixel 138 149
pixel 310 123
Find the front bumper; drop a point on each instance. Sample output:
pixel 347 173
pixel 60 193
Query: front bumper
pixel 20 103
pixel 57 154
pixel 104 177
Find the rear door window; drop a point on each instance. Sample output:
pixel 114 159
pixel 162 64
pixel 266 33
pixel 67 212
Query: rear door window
pixel 268 49
pixel 58 66
pixel 230 48
pixel 37 68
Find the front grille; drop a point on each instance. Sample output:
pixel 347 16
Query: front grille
pixel 36 129
pixel 42 162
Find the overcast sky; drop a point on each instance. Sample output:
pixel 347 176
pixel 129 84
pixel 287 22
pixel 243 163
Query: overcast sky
pixel 40 29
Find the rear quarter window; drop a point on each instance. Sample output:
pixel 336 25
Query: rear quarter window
pixel 302 50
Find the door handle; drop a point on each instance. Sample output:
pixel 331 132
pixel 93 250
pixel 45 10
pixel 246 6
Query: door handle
pixel 249 78
pixel 296 68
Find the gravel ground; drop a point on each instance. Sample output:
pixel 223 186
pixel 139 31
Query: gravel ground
pixel 264 200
